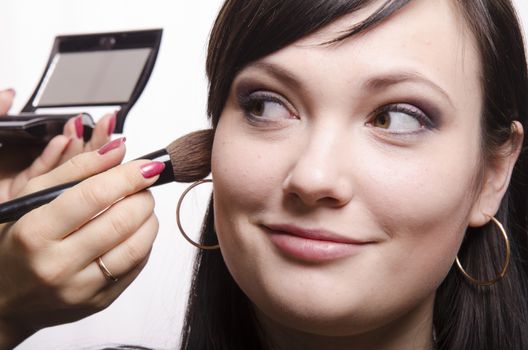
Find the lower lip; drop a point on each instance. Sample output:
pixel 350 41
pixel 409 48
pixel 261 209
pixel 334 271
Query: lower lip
pixel 312 250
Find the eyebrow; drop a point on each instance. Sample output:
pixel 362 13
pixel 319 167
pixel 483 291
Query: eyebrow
pixel 278 73
pixel 373 83
pixel 386 80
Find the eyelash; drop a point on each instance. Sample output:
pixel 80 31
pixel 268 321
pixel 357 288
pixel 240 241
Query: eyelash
pixel 411 110
pixel 247 101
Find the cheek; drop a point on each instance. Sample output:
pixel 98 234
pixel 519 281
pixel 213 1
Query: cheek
pixel 421 191
pixel 242 181
pixel 246 177
pixel 422 203
pixel 246 174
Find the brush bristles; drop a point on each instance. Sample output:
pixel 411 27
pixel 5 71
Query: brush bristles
pixel 191 155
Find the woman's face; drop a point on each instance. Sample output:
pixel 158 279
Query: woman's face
pixel 344 175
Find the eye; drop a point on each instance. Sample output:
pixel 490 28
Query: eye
pixel 265 106
pixel 401 118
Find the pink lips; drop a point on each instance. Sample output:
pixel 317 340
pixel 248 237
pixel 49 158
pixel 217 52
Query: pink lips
pixel 313 245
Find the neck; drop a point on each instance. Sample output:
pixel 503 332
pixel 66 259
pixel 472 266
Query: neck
pixel 412 331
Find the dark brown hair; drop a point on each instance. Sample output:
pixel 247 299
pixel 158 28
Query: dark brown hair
pixel 219 315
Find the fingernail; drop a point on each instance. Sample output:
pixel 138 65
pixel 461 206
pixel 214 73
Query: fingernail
pixel 111 145
pixel 11 91
pixel 152 169
pixel 79 127
pixel 112 124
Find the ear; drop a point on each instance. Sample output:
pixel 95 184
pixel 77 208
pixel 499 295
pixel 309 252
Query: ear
pixel 496 179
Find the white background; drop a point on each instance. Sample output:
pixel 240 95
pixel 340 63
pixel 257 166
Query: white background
pixel 150 312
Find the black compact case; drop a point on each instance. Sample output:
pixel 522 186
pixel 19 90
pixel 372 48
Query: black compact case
pixel 88 70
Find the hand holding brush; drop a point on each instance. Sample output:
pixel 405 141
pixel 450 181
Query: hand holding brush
pixel 75 255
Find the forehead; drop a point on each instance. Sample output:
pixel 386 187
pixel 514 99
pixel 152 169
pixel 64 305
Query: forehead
pixel 428 38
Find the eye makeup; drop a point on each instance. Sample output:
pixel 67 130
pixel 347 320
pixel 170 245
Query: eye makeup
pixel 263 103
pixel 265 106
pixel 385 113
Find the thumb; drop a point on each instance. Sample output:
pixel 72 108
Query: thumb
pixel 6 100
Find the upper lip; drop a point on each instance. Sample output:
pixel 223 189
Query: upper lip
pixel 314 234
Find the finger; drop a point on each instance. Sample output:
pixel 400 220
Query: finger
pixel 120 261
pixel 73 129
pixel 112 290
pixel 6 100
pixel 48 160
pixel 75 147
pixel 110 228
pixel 80 167
pixel 129 254
pixel 102 132
pixel 79 204
pixel 89 286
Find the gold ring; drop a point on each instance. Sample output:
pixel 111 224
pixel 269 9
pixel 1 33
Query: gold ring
pixel 108 275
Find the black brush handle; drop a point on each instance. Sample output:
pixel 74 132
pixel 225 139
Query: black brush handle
pixel 16 208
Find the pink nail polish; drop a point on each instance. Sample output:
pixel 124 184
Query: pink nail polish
pixel 152 169
pixel 111 145
pixel 112 124
pixel 79 127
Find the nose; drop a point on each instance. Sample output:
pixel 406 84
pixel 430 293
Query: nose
pixel 320 175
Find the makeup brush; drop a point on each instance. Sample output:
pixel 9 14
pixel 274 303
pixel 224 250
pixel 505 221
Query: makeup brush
pixel 186 159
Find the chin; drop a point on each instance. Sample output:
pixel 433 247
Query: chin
pixel 318 312
pixel 317 322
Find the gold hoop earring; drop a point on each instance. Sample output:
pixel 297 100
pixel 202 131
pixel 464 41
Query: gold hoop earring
pixel 178 221
pixel 506 261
